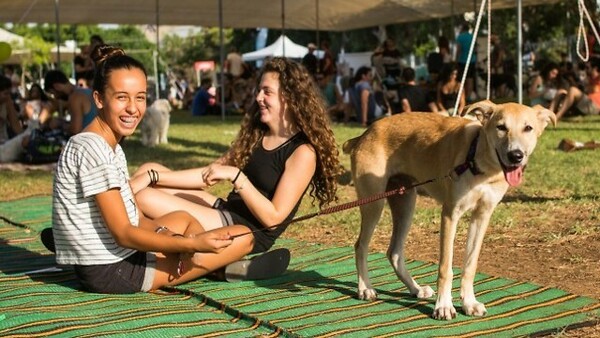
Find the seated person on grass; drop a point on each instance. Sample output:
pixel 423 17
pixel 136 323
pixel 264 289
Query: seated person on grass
pixel 285 147
pixel 576 102
pixel 414 97
pixel 97 226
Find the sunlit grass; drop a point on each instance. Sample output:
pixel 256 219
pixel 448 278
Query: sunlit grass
pixel 556 183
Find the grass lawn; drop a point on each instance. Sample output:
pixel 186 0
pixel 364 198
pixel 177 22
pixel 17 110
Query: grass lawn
pixel 546 231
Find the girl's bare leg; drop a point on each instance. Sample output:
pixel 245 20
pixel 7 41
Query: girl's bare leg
pixel 201 264
pixel 155 203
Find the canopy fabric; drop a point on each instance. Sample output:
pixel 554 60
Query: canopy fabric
pixel 283 46
pixel 333 15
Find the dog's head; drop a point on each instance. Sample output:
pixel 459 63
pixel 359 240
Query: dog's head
pixel 512 130
pixel 161 105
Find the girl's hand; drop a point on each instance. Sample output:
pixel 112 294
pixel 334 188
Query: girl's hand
pixel 215 173
pixel 212 241
pixel 139 182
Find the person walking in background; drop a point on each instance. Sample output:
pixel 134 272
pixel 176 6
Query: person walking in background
pixel 463 46
pixel 284 148
pixel 327 65
pixel 392 64
pixel 310 61
pixel 96 224
pixel 234 63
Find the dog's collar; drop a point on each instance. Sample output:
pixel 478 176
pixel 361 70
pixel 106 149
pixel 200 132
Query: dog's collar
pixel 470 161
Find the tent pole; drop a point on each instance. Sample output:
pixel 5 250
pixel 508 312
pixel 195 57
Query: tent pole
pixel 56 15
pixel 156 79
pixel 318 32
pixel 520 51
pixel 283 24
pixel 222 57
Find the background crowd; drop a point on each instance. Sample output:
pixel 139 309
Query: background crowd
pixel 60 106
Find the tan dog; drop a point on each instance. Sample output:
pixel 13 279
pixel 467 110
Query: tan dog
pixel 474 162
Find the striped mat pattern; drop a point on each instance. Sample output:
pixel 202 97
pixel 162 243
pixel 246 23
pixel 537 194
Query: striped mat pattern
pixel 315 298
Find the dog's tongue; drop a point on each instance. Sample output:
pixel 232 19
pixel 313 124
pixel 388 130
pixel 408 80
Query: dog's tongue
pixel 514 176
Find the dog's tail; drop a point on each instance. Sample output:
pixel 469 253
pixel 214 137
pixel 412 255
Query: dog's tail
pixel 350 144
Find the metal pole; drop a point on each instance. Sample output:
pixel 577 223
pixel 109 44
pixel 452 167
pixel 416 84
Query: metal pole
pixel 156 78
pixel 318 33
pixel 56 15
pixel 222 56
pixel 520 51
pixel 283 24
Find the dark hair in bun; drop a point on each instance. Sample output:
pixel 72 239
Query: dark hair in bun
pixel 108 59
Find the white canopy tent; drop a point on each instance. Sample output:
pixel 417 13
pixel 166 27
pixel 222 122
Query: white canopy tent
pixel 283 46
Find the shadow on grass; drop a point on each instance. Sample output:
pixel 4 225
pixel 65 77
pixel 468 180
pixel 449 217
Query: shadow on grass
pixel 298 281
pixel 19 261
pixel 522 198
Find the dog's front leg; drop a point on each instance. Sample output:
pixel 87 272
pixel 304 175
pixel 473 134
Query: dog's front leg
pixel 479 221
pixel 444 309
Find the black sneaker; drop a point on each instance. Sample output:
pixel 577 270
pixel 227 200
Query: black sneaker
pixel 48 239
pixel 264 266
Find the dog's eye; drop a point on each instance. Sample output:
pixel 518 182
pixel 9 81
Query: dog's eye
pixel 501 127
pixel 528 128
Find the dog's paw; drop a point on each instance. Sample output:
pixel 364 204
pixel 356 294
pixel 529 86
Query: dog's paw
pixel 476 309
pixel 444 312
pixel 367 294
pixel 425 292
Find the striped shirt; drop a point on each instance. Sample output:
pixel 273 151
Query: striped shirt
pixel 88 166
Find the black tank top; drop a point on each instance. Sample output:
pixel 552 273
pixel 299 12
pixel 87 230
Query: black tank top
pixel 264 170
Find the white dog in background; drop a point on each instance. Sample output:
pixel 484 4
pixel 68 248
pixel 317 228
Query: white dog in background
pixel 155 124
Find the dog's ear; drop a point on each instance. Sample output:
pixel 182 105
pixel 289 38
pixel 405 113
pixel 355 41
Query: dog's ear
pixel 545 116
pixel 482 110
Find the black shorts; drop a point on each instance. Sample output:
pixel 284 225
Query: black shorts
pixel 133 274
pixel 262 242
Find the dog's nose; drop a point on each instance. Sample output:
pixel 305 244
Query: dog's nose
pixel 515 156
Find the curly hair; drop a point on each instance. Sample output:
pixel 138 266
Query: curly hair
pixel 308 112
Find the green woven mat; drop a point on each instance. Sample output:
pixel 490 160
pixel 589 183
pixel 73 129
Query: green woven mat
pixel 315 298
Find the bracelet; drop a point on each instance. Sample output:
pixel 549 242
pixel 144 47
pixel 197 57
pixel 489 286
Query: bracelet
pixel 161 229
pixel 153 174
pixel 236 176
pixel 237 190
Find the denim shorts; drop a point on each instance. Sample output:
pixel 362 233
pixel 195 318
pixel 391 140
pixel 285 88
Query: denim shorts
pixel 133 274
